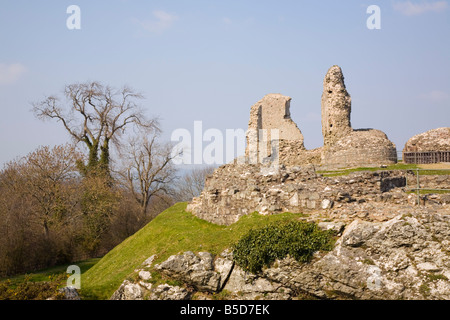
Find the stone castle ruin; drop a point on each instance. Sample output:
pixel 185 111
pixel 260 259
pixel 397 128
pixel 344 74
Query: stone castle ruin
pixel 343 146
pixel 293 184
pixel 387 247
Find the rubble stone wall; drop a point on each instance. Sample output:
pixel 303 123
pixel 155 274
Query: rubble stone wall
pixel 237 190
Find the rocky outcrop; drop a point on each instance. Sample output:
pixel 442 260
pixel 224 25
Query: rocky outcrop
pixel 201 272
pixel 406 257
pixel 195 270
pixel 70 293
pixel 433 140
pixel 66 293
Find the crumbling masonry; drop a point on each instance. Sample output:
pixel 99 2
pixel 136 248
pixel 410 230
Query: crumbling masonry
pixel 342 145
pixel 293 184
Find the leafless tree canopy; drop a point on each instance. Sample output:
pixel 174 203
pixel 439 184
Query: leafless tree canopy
pixel 192 183
pixel 147 170
pixel 96 115
pixel 58 204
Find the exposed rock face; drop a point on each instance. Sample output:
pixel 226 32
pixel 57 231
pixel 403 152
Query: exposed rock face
pixel 142 288
pixel 128 291
pixel 66 293
pixel 201 272
pixel 70 293
pixel 195 270
pixel 433 140
pixel 406 257
pixel 403 258
pixel 343 146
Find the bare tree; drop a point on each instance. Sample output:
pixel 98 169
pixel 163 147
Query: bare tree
pixel 148 170
pixel 95 115
pixel 192 183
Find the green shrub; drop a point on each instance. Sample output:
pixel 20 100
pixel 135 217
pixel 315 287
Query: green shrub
pixel 30 290
pixel 261 247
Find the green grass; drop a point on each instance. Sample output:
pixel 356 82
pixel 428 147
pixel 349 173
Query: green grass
pixel 171 232
pixel 429 191
pixel 434 172
pixel 46 274
pixel 397 166
pixel 343 172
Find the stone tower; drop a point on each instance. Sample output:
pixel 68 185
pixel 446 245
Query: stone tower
pixel 336 107
pixel 342 145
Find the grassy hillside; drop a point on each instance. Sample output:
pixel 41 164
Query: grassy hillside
pixel 171 232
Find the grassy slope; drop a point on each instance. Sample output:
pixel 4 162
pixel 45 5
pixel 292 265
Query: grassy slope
pixel 171 232
pixel 45 274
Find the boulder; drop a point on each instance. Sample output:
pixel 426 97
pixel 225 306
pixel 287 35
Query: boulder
pixel 70 293
pixel 195 270
pixel 128 291
pixel 168 292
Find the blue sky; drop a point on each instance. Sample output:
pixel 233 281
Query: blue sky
pixel 211 60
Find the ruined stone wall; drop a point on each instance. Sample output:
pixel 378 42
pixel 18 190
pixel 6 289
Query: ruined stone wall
pixel 237 190
pixel 270 119
pixel 430 181
pixel 285 182
pixel 360 148
pixel 343 146
pixel 292 154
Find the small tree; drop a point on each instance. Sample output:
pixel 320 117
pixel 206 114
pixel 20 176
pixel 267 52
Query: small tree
pixel 98 201
pixel 192 183
pixel 39 200
pixel 148 171
pixel 48 177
